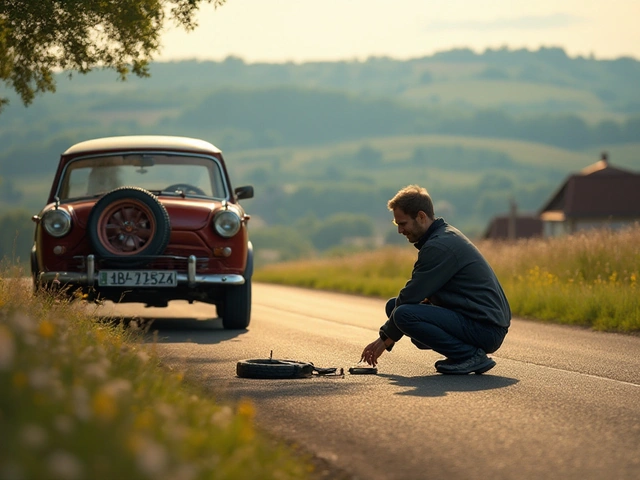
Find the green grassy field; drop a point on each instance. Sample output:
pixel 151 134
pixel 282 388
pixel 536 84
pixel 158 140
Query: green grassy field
pixel 82 399
pixel 589 279
pixel 393 148
pixel 492 93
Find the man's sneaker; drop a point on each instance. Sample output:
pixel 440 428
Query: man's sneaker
pixel 478 364
pixel 443 361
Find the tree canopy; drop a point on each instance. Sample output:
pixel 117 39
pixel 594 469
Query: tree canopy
pixel 40 38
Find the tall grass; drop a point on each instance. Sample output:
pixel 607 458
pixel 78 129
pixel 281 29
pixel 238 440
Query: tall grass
pixel 86 399
pixel 588 279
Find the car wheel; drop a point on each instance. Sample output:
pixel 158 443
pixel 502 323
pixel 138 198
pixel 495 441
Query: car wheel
pixel 236 306
pixel 272 368
pixel 126 223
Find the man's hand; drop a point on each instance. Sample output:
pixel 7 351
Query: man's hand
pixel 372 352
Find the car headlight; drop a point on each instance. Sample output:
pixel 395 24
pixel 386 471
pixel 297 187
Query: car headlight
pixel 227 223
pixel 57 222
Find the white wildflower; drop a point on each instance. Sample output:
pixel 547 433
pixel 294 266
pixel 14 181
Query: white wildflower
pixel 166 410
pixel 117 387
pixel 63 424
pixel 143 356
pixel 223 417
pixel 23 323
pixel 62 350
pixel 86 353
pixel 7 348
pixel 98 370
pixel 33 436
pixel 184 472
pixel 40 378
pixel 64 466
pixel 152 458
pixel 80 399
pixel 58 390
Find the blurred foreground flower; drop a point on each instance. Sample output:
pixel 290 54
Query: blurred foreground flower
pixel 64 466
pixel 46 329
pixel 7 348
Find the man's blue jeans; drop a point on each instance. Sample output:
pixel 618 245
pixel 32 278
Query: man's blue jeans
pixel 445 331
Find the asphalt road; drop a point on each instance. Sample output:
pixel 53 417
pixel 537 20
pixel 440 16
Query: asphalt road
pixel 562 402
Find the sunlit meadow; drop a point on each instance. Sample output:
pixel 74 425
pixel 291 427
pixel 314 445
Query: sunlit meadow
pixel 588 279
pixel 86 399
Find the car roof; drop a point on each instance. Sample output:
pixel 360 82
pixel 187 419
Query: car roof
pixel 150 142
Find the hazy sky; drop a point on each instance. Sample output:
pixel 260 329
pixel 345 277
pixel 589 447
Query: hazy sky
pixel 308 30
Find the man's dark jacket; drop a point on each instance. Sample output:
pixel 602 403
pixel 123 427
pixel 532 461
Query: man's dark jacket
pixel 452 273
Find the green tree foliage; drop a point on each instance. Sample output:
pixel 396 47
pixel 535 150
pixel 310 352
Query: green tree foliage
pixel 287 243
pixel 368 156
pixel 8 192
pixel 40 37
pixel 340 228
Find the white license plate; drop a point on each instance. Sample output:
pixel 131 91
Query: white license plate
pixel 137 278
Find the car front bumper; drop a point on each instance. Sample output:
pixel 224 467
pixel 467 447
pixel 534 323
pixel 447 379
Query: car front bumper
pixel 189 279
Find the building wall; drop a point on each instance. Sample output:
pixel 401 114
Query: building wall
pixel 556 229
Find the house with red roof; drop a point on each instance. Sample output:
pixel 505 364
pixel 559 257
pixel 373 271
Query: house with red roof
pixel 599 196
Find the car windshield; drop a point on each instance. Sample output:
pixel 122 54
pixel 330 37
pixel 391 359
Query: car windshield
pixel 171 174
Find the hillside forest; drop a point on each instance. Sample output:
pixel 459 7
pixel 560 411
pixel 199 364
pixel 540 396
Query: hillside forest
pixel 326 144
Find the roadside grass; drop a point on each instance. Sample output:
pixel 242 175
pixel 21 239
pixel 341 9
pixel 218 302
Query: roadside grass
pixel 87 399
pixel 588 279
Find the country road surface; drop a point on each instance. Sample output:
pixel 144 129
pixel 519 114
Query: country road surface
pixel 562 402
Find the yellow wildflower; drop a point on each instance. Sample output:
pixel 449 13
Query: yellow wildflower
pixel 246 409
pixel 144 420
pixel 104 405
pixel 134 442
pixel 46 329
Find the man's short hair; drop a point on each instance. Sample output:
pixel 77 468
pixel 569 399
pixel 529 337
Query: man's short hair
pixel 411 200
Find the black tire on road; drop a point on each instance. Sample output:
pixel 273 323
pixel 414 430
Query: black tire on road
pixel 236 306
pixel 272 368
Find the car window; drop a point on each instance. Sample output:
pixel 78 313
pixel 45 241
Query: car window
pixel 192 175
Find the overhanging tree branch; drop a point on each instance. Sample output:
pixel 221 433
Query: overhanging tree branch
pixel 40 38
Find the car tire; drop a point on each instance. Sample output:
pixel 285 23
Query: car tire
pixel 236 306
pixel 127 223
pixel 272 368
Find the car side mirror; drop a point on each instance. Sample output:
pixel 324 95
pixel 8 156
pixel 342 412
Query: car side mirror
pixel 244 192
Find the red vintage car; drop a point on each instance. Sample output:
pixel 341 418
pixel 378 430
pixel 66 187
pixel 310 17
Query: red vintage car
pixel 147 219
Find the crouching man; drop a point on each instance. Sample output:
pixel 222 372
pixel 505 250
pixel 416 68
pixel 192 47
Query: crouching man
pixel 453 302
